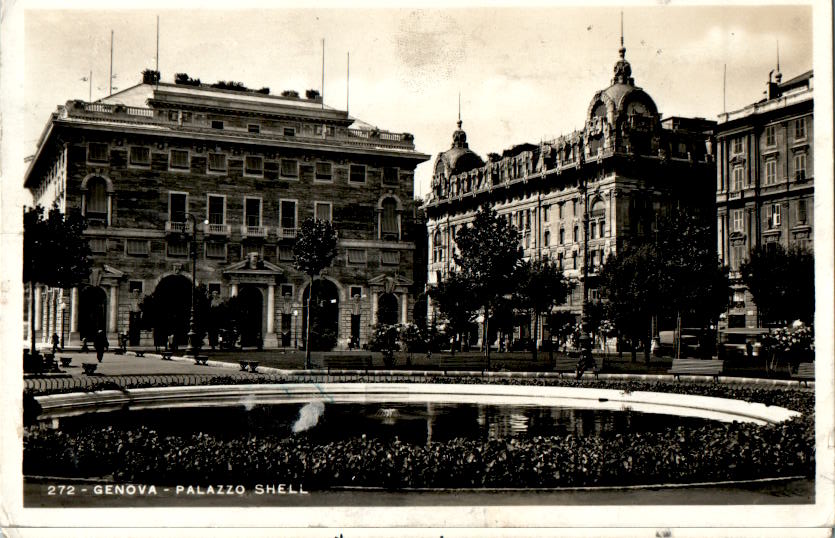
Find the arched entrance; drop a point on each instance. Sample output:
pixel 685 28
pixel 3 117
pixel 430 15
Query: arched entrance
pixel 324 325
pixel 251 304
pixel 170 310
pixel 92 312
pixel 387 309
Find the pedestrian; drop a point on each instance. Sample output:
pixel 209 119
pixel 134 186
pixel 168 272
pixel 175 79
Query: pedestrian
pixel 749 350
pixel 55 341
pixel 100 344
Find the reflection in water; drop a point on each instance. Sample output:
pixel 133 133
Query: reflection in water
pixel 414 423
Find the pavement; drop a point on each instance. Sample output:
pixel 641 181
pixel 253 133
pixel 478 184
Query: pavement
pixel 129 364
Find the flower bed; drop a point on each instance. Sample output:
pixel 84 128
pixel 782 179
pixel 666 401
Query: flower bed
pixel 717 451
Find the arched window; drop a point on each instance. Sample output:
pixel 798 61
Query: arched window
pixel 96 206
pixel 389 222
pixel 438 245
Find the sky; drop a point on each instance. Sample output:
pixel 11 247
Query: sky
pixel 524 74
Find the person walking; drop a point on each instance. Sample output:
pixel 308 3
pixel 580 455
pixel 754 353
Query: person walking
pixel 100 344
pixel 55 341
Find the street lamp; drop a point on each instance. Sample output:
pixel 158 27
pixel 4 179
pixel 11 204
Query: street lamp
pixel 296 329
pixel 585 339
pixel 194 343
pixel 63 307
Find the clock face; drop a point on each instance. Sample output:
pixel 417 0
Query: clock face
pixel 638 109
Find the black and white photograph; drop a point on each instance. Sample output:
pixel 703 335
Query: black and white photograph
pixel 466 269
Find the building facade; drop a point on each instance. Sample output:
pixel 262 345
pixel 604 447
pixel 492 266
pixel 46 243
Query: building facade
pixel 633 164
pixel 145 165
pixel 764 182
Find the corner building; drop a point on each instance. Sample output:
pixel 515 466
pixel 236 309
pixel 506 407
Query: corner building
pixel 764 182
pixel 635 165
pixel 249 167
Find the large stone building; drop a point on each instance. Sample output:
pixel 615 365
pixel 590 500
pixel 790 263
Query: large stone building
pixel 248 167
pixel 635 165
pixel 764 181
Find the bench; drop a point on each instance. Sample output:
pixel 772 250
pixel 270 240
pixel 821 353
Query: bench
pixel 139 353
pixel 805 373
pixel 465 364
pixel 711 367
pixel 566 365
pixel 201 359
pixel 65 361
pixel 89 367
pixel 253 366
pixel 347 361
pixel 166 355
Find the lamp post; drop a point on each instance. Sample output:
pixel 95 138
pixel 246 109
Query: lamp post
pixel 194 343
pixel 62 306
pixel 585 338
pixel 296 329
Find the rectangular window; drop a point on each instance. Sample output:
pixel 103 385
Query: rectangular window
pixel 602 228
pixel 356 291
pixel 546 213
pixel 215 250
pixel 546 239
pixel 559 260
pixel 739 178
pixel 285 253
pixel 592 230
pixel 177 207
pixel 97 152
pixel 574 260
pixel 390 257
pixel 356 255
pixel 177 249
pixel 737 146
pixel 324 171
pixel 178 159
pixel 287 291
pixel 559 210
pixel 289 131
pixel 800 128
pixel 391 176
pixel 290 168
pixel 800 167
pixel 254 165
pixel 217 162
pixel 576 234
pixel 771 136
pixel 357 173
pixel 801 211
pixel 252 211
pixel 137 247
pixel 140 156
pixel 217 124
pixel 770 172
pixel 562 236
pixel 288 214
pixel 98 245
pixel 253 128
pixel 775 215
pixel 135 286
pixel 217 209
pixel 214 288
pixel 736 215
pixel 323 210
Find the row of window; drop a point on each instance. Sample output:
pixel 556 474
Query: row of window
pixel 179 159
pixel 800 130
pixel 773 216
pixel 771 177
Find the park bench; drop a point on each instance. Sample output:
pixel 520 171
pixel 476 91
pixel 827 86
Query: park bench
pixel 711 367
pixel 166 355
pixel 568 365
pixel 65 361
pixel 89 367
pixel 201 359
pixel 252 365
pixel 347 361
pixel 464 364
pixel 805 372
pixel 139 353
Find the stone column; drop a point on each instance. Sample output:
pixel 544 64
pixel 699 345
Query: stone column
pixel 234 291
pixel 373 308
pixel 271 309
pixel 74 310
pixel 404 307
pixel 38 310
pixel 113 322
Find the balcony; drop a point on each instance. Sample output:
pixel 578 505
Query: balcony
pixel 287 233
pixel 218 229
pixel 253 231
pixel 175 227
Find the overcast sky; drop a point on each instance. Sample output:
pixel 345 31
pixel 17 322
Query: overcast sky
pixel 524 74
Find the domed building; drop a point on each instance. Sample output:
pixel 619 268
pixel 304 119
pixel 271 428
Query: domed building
pixel 634 163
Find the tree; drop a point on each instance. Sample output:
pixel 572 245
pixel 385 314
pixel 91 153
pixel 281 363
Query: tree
pixel 314 251
pixel 540 287
pixel 489 253
pixel 782 282
pixel 457 303
pixel 55 253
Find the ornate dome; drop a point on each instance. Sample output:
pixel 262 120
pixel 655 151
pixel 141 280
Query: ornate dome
pixel 611 102
pixel 458 158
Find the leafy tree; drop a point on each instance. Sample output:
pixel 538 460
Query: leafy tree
pixel 488 255
pixel 455 298
pixel 561 325
pixel 782 282
pixel 385 340
pixel 540 286
pixel 314 251
pixel 55 253
pixel 165 312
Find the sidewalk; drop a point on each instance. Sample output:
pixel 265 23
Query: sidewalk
pixel 130 364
